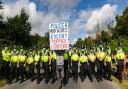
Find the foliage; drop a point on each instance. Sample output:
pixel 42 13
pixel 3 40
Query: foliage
pixel 122 26
pixel 40 41
pixel 16 30
pixel 3 83
pixel 115 34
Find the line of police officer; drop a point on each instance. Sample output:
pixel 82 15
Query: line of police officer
pixel 98 62
pixel 95 62
pixel 22 63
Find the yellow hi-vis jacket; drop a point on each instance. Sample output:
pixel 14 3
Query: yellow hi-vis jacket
pixel 75 57
pixel 30 60
pixel 120 55
pixel 91 57
pixel 54 56
pixel 22 58
pixel 83 59
pixel 6 55
pixel 44 58
pixel 108 58
pixel 36 58
pixel 100 55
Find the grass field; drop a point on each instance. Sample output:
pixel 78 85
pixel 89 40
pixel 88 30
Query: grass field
pixel 2 83
pixel 123 85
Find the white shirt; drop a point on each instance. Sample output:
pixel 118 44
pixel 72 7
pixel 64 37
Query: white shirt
pixel 60 60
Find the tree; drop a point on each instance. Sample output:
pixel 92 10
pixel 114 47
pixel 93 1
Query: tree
pixel 18 29
pixel 89 41
pixel 79 42
pixel 35 39
pixel 121 25
pixel 2 27
pixel 105 37
pixel 40 41
pixel 1 8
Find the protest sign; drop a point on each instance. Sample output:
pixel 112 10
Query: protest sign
pixel 58 36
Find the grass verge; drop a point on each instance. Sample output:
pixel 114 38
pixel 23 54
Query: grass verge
pixel 123 85
pixel 2 83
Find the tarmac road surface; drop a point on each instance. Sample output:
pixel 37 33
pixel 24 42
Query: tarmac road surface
pixel 57 85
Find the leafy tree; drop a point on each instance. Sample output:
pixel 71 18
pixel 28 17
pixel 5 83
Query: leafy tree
pixel 2 27
pixel 1 8
pixel 40 41
pixel 35 39
pixel 105 37
pixel 89 41
pixel 79 42
pixel 121 25
pixel 18 29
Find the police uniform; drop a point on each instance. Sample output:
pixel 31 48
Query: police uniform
pixel 92 59
pixel 53 66
pixel 69 60
pixel 30 65
pixel 84 68
pixel 120 56
pixel 14 66
pixel 108 63
pixel 37 64
pixel 100 54
pixel 22 65
pixel 66 61
pixel 6 56
pixel 75 59
pixel 45 65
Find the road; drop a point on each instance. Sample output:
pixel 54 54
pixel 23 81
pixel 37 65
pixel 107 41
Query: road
pixel 71 85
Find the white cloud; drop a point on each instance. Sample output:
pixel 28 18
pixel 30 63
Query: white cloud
pixel 39 20
pixel 85 22
pixel 88 19
pixel 60 5
pixel 100 16
pixel 85 14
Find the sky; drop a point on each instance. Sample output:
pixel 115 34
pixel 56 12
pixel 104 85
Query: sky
pixel 82 15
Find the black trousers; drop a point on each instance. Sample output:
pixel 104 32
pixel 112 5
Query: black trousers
pixel 108 70
pixel 100 69
pixel 1 71
pixel 69 63
pixel 53 69
pixel 85 71
pixel 120 67
pixel 6 70
pixel 92 68
pixel 38 70
pixel 66 77
pixel 14 72
pixel 23 72
pixel 45 66
pixel 75 70
pixel 31 70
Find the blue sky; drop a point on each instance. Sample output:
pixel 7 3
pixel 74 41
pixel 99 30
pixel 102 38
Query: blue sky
pixel 82 15
pixel 87 4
